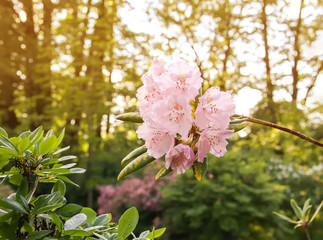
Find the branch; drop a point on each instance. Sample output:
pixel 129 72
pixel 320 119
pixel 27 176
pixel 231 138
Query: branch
pixel 313 82
pixel 285 129
pixel 34 189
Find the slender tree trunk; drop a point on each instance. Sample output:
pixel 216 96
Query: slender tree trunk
pixel 269 83
pixel 297 52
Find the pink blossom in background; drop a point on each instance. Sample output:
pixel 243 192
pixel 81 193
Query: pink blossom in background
pixel 212 141
pixel 158 142
pixel 180 158
pixel 214 109
pixel 142 193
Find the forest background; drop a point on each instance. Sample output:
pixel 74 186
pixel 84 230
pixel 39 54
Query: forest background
pixel 78 63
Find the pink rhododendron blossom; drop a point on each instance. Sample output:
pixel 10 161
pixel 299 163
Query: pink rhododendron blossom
pixel 173 114
pixel 148 94
pixel 158 142
pixel 185 79
pixel 157 68
pixel 212 141
pixel 180 158
pixel 214 109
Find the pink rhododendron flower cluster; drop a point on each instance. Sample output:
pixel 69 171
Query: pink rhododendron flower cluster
pixel 170 127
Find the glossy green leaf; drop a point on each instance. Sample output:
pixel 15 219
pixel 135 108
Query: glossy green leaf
pixel 75 221
pixel 127 223
pixel 237 127
pixel 23 188
pixel 60 138
pixel 39 235
pixel 36 135
pixel 163 172
pixel 90 214
pixel 7 152
pixel 66 179
pixel 60 187
pixel 316 212
pixel 12 205
pixel 285 218
pixel 135 153
pixel 297 209
pixel 61 150
pixel 16 179
pixel 7 143
pixel 77 233
pixel 3 132
pixel 69 210
pixel 130 117
pixel 65 158
pixel 56 220
pixel 156 233
pixel 200 169
pixel 47 145
pixel 102 220
pixel 135 165
pixel 4 160
pixel 24 145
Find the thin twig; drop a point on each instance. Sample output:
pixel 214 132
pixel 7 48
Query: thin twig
pixel 34 189
pixel 285 129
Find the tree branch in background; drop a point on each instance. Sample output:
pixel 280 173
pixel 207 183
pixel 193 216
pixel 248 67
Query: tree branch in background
pixel 285 129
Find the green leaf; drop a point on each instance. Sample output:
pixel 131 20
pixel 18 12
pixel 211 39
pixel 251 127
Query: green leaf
pixel 4 160
pixel 61 150
pixel 69 210
pixel 156 233
pixel 56 220
pixel 23 188
pixel 36 135
pixel 3 132
pixel 130 117
pixel 47 145
pixel 285 218
pixel 61 136
pixel 60 187
pixel 69 157
pixel 127 223
pixel 7 143
pixel 75 221
pixel 90 214
pixel 24 203
pixel 12 205
pixel 16 179
pixel 316 212
pixel 200 169
pixel 7 231
pixel 49 134
pixel 48 202
pixel 135 153
pixel 77 170
pixel 65 179
pixel 24 145
pixel 77 232
pixel 102 220
pixel 135 165
pixel 7 152
pixel 297 209
pixel 163 172
pixel 39 235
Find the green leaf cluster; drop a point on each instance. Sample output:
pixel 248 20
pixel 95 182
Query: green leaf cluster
pixel 34 156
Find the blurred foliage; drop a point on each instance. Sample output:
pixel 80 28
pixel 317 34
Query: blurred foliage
pixel 76 63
